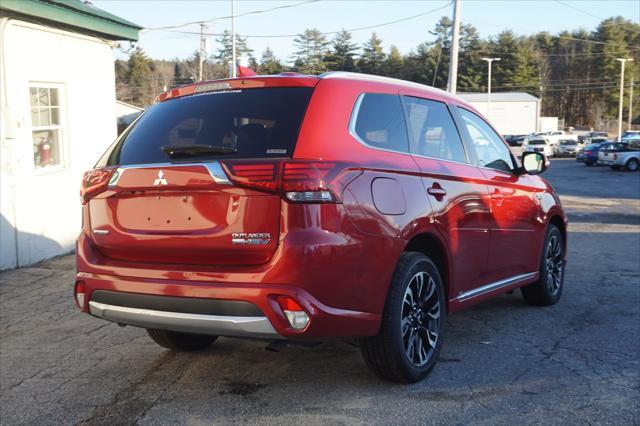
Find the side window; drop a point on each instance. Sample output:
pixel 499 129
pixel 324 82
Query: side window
pixel 490 151
pixel 379 122
pixel 432 132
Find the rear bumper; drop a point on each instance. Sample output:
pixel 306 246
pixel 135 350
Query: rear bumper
pixel 268 321
pixel 220 325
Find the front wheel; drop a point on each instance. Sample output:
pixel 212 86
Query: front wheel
pixel 548 289
pixel 410 337
pixel 632 165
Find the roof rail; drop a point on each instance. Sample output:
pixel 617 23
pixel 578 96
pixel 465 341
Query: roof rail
pixel 379 79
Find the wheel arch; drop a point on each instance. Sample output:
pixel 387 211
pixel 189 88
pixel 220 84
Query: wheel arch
pixel 433 247
pixel 560 223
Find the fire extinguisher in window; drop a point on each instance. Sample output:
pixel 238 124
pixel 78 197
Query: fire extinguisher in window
pixel 44 151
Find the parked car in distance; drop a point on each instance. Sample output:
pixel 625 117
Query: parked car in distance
pixel 553 138
pixel 566 148
pixel 620 155
pixel 589 153
pixel 255 207
pixel 588 137
pixel 538 144
pixel 631 136
pixel 515 140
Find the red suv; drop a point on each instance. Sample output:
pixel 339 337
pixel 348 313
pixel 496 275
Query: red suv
pixel 310 208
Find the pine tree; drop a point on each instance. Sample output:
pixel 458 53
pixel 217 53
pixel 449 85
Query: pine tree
pixel 343 51
pixel 139 78
pixel 269 64
pixel 373 56
pixel 311 48
pixel 225 51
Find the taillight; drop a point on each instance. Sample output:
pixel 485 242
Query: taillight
pixel 588 152
pixel 78 293
pixel 296 316
pixel 262 176
pixel 94 182
pixel 299 181
pixel 309 182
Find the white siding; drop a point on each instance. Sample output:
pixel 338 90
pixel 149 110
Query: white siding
pixel 511 117
pixel 40 209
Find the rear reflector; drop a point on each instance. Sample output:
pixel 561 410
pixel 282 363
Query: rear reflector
pixel 296 316
pixel 79 291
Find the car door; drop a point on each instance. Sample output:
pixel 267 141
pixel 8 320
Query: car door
pixel 459 198
pixel 515 207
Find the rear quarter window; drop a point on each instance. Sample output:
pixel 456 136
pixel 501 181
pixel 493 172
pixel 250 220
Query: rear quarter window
pixel 379 122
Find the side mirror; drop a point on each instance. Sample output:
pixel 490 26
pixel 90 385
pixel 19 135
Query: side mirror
pixel 533 163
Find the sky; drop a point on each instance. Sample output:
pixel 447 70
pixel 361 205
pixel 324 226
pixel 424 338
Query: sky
pixel 489 17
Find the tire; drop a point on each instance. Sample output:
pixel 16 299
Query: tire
pixel 182 342
pixel 632 165
pixel 409 330
pixel 548 289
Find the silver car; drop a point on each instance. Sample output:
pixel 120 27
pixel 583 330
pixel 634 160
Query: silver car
pixel 566 148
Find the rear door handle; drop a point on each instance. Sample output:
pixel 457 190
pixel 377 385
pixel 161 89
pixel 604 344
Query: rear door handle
pixel 437 191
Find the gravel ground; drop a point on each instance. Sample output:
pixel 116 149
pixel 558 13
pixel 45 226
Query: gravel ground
pixel 503 362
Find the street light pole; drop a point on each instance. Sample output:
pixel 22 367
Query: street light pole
pixel 630 118
pixel 234 66
pixel 489 61
pixel 622 62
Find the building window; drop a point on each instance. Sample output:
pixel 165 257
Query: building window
pixel 46 126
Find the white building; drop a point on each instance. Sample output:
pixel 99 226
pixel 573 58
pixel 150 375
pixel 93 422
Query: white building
pixel 57 98
pixel 511 113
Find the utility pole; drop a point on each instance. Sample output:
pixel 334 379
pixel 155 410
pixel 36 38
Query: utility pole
pixel 630 104
pixel 203 50
pixel 622 62
pixel 233 44
pixel 455 42
pixel 489 61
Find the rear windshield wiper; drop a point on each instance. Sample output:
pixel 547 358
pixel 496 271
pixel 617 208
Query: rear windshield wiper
pixel 195 150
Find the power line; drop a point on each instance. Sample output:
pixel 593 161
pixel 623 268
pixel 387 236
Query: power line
pixel 579 10
pixel 368 27
pixel 253 12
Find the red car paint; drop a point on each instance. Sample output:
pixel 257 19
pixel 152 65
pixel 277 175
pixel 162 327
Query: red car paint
pixel 336 259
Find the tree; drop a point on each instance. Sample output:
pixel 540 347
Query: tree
pixel 139 78
pixel 393 64
pixel 225 51
pixel 342 54
pixel 373 56
pixel 311 48
pixel 269 64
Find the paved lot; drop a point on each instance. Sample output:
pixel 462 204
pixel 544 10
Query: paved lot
pixel 503 362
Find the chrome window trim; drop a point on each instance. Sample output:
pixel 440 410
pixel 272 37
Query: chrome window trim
pixel 220 325
pixel 214 168
pixel 352 132
pixel 479 291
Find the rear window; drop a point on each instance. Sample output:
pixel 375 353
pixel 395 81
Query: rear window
pixel 537 142
pixel 252 123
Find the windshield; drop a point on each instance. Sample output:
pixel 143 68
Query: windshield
pixel 537 142
pixel 567 143
pixel 252 123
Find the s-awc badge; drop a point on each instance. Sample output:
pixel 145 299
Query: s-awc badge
pixel 259 238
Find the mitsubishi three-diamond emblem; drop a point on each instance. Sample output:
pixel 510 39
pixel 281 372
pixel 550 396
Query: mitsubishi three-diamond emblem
pixel 161 180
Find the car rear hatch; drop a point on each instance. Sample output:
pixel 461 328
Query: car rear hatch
pixel 172 195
